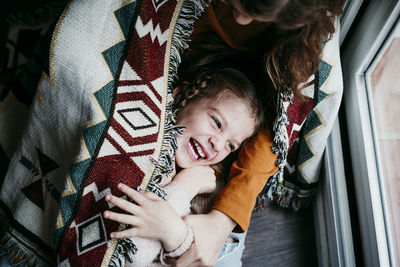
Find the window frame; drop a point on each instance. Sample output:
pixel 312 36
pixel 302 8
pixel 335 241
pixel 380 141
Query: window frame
pixel 363 38
pixel 331 210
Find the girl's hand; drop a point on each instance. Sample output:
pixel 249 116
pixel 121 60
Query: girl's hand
pixel 196 180
pixel 151 217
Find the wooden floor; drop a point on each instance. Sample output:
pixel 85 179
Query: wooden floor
pixel 281 237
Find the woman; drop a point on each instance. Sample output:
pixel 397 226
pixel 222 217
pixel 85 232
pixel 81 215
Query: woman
pixel 290 34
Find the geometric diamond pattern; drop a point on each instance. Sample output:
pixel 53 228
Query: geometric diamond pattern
pixel 136 118
pixel 130 135
pixel 91 234
pixel 104 96
pixel 136 122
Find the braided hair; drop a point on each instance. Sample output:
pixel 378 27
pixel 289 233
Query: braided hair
pixel 214 83
pixel 211 69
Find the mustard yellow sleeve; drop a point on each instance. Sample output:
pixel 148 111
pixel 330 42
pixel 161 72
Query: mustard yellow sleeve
pixel 248 176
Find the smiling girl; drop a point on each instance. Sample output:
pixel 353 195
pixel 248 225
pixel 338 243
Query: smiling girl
pixel 219 110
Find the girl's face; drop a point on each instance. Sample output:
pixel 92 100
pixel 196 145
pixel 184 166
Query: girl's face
pixel 214 128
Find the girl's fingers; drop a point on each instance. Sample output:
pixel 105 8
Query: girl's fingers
pixel 132 194
pixel 121 218
pixel 122 204
pixel 151 195
pixel 125 234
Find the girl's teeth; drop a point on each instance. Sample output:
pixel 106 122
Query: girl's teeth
pixel 196 149
pixel 192 148
pixel 199 150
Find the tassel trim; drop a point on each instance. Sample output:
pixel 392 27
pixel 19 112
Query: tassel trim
pixel 285 194
pixel 164 165
pixel 18 251
pixel 124 251
pixel 277 191
pixel 188 15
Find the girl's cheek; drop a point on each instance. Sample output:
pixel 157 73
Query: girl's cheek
pixel 221 156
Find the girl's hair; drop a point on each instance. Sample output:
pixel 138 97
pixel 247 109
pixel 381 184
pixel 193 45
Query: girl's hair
pixel 301 27
pixel 209 69
pixel 213 84
pixel 208 51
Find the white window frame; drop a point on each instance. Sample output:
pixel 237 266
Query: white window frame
pixel 331 211
pixel 369 35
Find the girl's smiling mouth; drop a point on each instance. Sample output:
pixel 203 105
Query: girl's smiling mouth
pixel 196 150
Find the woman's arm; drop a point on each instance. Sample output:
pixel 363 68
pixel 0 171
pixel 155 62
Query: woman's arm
pixel 248 175
pixel 210 232
pixel 247 178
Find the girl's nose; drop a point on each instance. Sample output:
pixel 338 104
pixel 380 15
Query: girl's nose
pixel 217 143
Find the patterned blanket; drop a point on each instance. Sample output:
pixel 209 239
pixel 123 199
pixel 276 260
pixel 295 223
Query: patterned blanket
pixel 100 89
pixel 301 130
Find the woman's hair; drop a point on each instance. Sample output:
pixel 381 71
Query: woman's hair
pixel 213 84
pixel 301 27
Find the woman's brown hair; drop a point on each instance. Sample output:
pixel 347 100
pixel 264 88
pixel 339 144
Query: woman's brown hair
pixel 301 28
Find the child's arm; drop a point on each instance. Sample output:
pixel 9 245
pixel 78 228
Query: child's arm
pixel 151 217
pixel 196 180
pixel 150 210
pixel 247 177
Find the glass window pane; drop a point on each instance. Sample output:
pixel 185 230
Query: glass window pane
pixel 383 82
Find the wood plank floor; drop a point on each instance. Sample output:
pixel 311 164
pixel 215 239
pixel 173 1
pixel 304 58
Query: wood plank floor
pixel 281 237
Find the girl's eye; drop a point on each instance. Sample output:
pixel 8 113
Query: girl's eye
pixel 231 146
pixel 217 123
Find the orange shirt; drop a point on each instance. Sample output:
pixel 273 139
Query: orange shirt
pixel 248 176
pixel 256 162
pixel 253 38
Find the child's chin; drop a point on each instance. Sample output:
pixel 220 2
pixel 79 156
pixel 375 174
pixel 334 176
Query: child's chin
pixel 184 164
pixel 187 165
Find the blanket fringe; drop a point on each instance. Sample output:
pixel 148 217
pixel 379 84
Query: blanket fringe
pixel 164 165
pixel 284 194
pixel 275 191
pixel 189 13
pixel 124 251
pixel 15 253
pixel 15 250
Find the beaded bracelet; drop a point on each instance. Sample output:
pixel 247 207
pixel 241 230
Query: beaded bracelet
pixel 184 246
